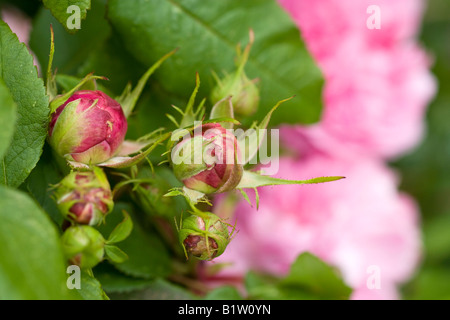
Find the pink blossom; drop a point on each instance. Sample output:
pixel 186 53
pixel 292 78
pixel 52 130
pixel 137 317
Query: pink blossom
pixel 352 224
pixel 324 24
pixel 374 101
pixel 18 22
pixel 377 81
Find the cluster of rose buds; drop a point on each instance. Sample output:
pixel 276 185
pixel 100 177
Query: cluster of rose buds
pixel 88 129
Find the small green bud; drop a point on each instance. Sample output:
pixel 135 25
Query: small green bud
pixel 244 92
pixel 83 246
pixel 204 237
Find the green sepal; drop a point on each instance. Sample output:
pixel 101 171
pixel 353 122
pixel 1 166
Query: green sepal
pixel 129 97
pixel 251 180
pixel 193 197
pixel 223 109
pixel 60 100
pixel 51 83
pixel 121 162
pixel 250 142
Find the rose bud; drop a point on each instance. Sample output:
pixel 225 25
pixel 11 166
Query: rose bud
pixel 83 246
pixel 85 197
pixel 244 92
pixel 88 128
pixel 208 161
pixel 204 237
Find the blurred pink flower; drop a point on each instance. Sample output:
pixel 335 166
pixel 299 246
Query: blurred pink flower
pixel 353 224
pixel 377 81
pixel 326 23
pixel 374 101
pixel 19 23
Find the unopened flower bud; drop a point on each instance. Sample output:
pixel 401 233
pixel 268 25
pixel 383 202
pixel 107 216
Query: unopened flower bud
pixel 88 128
pixel 209 160
pixel 83 246
pixel 204 238
pixel 244 92
pixel 85 197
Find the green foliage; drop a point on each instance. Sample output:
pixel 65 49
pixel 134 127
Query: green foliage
pixel 90 288
pixel 71 50
pixel 7 118
pixel 121 40
pixel 27 90
pixel 309 279
pixel 206 36
pixel 31 259
pixel 223 293
pixel 147 255
pixel 59 10
pixel 425 172
pixel 158 289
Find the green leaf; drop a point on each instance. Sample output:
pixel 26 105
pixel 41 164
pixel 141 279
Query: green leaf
pixel 71 50
pixel 27 90
pixel 114 281
pixel 7 118
pixel 114 254
pixel 39 183
pixel 32 265
pixel 431 283
pixel 60 10
pixel 309 278
pixel 260 286
pixel 223 293
pixel 207 35
pixel 250 142
pixel 90 288
pixel 310 274
pixel 158 290
pixel 148 257
pixel 122 230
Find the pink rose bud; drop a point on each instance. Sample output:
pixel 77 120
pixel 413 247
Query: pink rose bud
pixel 208 160
pixel 85 197
pixel 88 128
pixel 83 246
